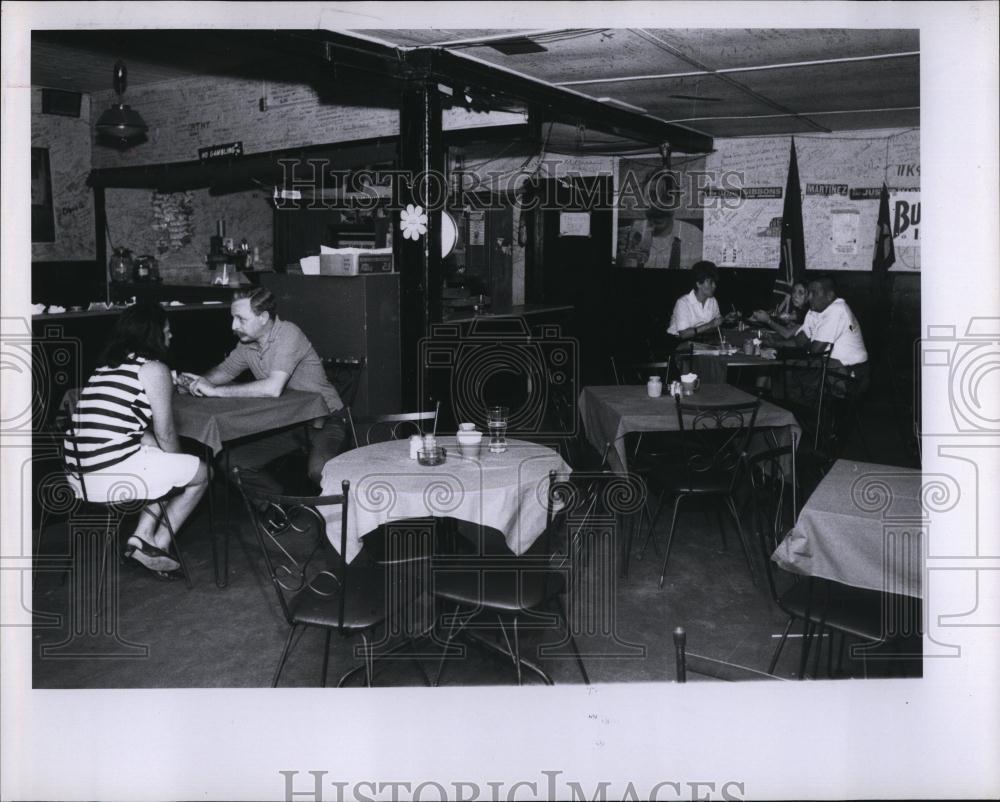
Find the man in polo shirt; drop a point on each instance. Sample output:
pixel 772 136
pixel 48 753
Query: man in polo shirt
pixel 278 355
pixel 830 322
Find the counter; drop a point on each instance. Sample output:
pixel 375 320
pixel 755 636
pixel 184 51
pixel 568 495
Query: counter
pixel 521 310
pixel 116 310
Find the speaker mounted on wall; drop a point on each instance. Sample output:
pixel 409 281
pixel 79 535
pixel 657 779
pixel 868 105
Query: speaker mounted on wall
pixel 61 102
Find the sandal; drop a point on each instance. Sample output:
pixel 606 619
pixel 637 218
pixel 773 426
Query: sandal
pixel 151 557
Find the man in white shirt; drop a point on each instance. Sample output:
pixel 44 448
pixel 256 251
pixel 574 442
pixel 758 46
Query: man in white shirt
pixel 830 322
pixel 698 311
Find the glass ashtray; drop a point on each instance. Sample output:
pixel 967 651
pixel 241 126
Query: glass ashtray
pixel 433 456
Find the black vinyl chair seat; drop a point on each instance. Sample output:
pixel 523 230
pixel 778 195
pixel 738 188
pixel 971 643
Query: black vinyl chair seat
pixel 677 479
pixel 509 590
pixel 364 609
pixel 512 589
pixel 315 586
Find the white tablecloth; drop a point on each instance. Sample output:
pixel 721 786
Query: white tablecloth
pixel 506 491
pixel 862 526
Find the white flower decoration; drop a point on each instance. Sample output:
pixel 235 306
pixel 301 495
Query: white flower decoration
pixel 414 222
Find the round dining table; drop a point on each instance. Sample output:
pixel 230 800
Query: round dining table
pixel 507 492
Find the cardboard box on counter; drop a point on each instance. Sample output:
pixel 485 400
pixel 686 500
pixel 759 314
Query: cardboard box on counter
pixel 355 261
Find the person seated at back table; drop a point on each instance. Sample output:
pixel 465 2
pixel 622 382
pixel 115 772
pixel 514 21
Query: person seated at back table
pixel 279 355
pixel 788 323
pixel 698 311
pixel 123 434
pixel 830 322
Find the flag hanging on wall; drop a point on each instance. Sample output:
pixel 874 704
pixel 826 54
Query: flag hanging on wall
pixel 885 251
pixel 793 242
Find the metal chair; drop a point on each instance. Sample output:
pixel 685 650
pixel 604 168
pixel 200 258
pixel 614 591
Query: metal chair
pixel 345 375
pixel 115 510
pixel 819 604
pixel 807 397
pixel 516 590
pixel 845 394
pixel 639 372
pixel 315 586
pixel 379 428
pixel 711 447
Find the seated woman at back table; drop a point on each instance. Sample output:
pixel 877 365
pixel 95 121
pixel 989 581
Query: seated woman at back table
pixel 698 311
pixel 786 324
pixel 123 434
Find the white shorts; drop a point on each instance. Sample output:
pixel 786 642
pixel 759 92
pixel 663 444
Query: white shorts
pixel 148 474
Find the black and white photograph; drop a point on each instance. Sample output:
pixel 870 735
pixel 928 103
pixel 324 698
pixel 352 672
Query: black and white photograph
pixel 413 401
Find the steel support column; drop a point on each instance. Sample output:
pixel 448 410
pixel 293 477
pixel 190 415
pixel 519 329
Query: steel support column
pixel 422 160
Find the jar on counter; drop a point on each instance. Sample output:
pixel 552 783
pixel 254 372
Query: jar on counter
pixel 120 265
pixel 654 387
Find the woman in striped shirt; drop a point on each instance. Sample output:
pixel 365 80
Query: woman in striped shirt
pixel 122 443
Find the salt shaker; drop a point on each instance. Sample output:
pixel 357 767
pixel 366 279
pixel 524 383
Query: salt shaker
pixel 416 443
pixel 654 387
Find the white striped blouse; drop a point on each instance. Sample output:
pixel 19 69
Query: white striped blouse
pixel 110 418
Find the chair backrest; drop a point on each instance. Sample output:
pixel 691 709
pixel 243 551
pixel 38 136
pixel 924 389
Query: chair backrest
pixel 771 482
pixel 73 465
pixel 582 511
pixel 301 561
pixel 380 428
pixel 639 372
pixel 810 372
pixel 345 375
pixel 714 438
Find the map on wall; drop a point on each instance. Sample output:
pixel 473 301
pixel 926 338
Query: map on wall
pixel 841 178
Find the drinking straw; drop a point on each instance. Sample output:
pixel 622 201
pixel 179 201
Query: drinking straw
pixel 437 408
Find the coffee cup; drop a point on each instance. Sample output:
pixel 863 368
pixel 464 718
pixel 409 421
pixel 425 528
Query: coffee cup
pixel 690 383
pixel 469 442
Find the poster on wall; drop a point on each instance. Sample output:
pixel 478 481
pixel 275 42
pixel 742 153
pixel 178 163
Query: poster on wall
pixel 659 218
pixel 43 227
pixel 842 175
pixel 904 211
pixel 743 200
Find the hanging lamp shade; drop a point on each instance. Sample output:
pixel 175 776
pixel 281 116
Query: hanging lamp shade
pixel 121 123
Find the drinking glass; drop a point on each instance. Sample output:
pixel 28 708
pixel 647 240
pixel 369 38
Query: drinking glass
pixel 496 425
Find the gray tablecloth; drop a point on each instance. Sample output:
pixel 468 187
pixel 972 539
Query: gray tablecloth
pixel 214 421
pixel 863 526
pixel 507 492
pixel 610 412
